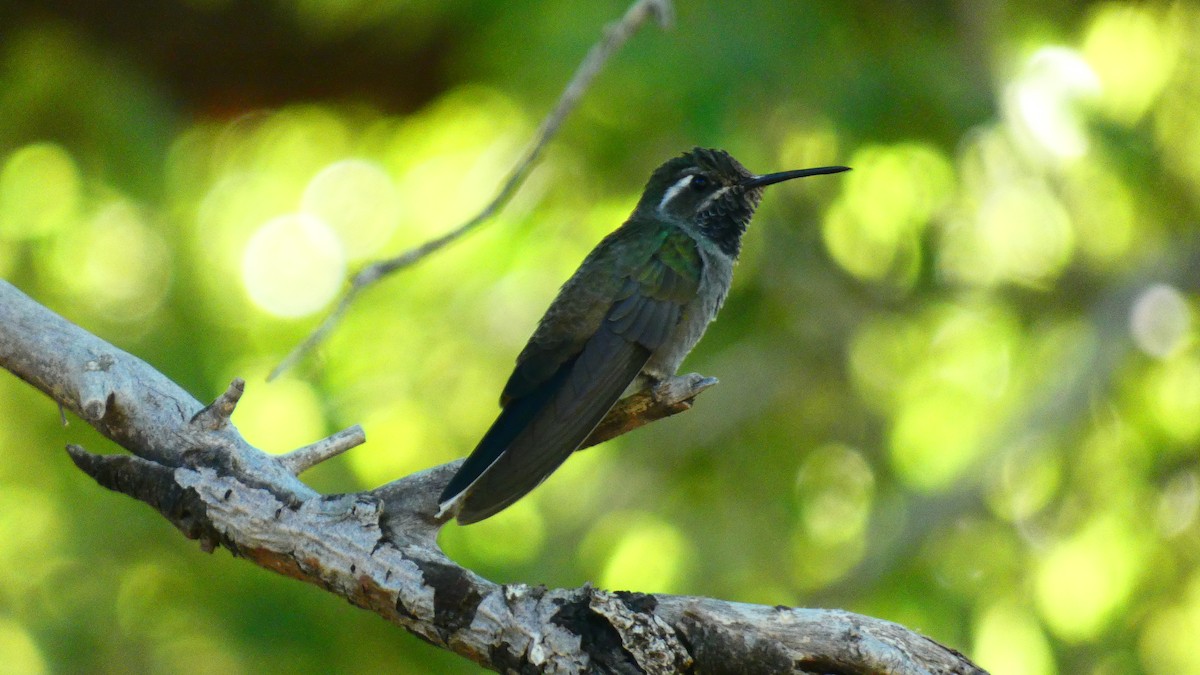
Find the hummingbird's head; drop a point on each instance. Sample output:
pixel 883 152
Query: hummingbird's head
pixel 711 191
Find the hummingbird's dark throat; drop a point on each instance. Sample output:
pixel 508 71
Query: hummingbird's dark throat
pixel 726 218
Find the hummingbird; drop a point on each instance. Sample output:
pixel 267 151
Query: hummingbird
pixel 625 320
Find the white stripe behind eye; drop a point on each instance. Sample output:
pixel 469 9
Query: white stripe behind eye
pixel 674 190
pixel 712 198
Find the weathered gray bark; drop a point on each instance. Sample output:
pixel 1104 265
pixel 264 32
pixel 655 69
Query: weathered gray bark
pixel 378 549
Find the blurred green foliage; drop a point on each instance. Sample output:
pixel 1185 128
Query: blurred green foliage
pixel 960 385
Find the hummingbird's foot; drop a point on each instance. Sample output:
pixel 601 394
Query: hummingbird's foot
pixel 665 397
pixel 681 389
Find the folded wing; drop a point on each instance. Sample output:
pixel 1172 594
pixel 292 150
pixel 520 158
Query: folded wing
pixel 553 404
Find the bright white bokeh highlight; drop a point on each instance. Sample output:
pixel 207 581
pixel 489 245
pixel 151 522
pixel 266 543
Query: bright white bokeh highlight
pixel 358 200
pixel 1160 320
pixel 1044 101
pixel 293 265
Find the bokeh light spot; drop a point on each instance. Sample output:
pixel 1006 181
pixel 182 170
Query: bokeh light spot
pixel 291 144
pixel 228 214
pixel 811 145
pixel 835 487
pixel 1102 213
pixel 1167 643
pixel 451 158
pixel 1009 641
pixel 404 428
pixel 281 415
pixel 116 265
pixel 1084 581
pixel 644 553
pixel 815 567
pixel 935 439
pixel 1025 233
pixel 141 598
pixel 1028 478
pixel 1173 397
pixel 873 230
pixel 1160 320
pixel 39 192
pixel 947 401
pixel 883 354
pixel 293 265
pixel 358 200
pixel 974 556
pixel 1043 102
pixel 21 653
pixel 970 349
pixel 1179 503
pixel 1133 53
pixel 835 490
pixel 515 536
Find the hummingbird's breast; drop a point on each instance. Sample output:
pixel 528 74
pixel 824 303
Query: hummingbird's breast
pixel 715 278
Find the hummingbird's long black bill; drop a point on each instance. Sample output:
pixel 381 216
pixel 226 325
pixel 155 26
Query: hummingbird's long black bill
pixel 773 178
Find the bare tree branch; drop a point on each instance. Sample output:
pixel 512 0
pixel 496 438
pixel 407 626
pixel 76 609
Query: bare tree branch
pixel 614 37
pixel 378 549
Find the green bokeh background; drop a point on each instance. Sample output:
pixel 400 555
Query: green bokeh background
pixel 960 386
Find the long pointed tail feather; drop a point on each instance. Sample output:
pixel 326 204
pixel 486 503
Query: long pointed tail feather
pixel 514 418
pixel 535 434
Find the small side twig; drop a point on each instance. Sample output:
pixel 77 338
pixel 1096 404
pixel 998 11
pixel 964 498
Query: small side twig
pixel 302 459
pixel 215 415
pixel 614 37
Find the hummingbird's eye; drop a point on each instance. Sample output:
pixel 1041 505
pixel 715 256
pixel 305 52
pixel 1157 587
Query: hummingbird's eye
pixel 700 182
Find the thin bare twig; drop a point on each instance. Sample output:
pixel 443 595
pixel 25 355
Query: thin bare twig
pixel 302 459
pixel 614 37
pixel 216 415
